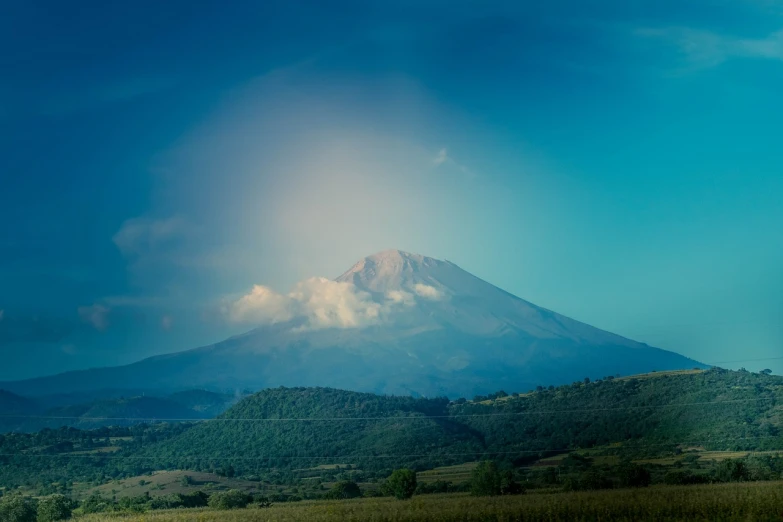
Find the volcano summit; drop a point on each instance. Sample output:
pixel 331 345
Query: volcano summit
pixel 395 323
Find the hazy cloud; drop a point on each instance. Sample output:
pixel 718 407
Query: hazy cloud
pixel 323 303
pixel 443 158
pixel 261 305
pixel 166 322
pixel 96 315
pixel 401 296
pixel 141 235
pixel 427 292
pixel 704 49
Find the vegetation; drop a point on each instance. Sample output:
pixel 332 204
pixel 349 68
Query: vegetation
pixel 738 502
pixel 54 507
pixel 284 445
pixel 401 484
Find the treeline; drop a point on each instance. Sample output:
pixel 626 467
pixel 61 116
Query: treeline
pixel 276 433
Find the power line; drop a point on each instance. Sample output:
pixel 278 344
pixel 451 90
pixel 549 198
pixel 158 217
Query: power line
pixel 748 360
pixel 415 455
pixel 402 417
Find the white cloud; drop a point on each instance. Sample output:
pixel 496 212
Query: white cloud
pixel 705 49
pixel 166 322
pixel 322 303
pixel 328 304
pixel 441 157
pixel 262 305
pixel 96 315
pixel 427 292
pixel 140 235
pixel 401 297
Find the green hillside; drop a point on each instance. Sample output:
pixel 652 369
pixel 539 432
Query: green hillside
pixel 294 435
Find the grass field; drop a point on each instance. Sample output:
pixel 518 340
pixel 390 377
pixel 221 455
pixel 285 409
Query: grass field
pixel 758 502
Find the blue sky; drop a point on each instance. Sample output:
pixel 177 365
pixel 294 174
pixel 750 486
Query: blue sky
pixel 615 161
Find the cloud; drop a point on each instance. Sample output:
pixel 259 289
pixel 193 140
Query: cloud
pixel 97 315
pixel 142 235
pixel 401 296
pixel 427 292
pixel 322 303
pixel 261 305
pixel 443 158
pixel 166 322
pixel 705 49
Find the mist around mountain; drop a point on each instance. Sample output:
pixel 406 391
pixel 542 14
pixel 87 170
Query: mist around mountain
pixel 23 414
pixel 395 323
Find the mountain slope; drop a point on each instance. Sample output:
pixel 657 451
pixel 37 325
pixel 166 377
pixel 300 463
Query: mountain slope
pixel 433 329
pixel 283 434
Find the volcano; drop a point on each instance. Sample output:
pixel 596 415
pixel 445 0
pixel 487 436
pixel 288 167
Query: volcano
pixel 422 327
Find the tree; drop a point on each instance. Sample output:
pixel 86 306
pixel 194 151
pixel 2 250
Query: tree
pixel 344 489
pixel 509 486
pixel 766 371
pixel 17 508
pixel 486 480
pixel 587 380
pixel 731 470
pixel 634 476
pixel 53 508
pixel 231 499
pixel 402 483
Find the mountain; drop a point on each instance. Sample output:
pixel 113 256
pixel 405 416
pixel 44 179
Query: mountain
pixel 21 414
pixel 11 407
pixel 396 323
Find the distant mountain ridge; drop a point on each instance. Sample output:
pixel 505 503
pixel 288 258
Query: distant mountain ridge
pixel 28 415
pixel 435 330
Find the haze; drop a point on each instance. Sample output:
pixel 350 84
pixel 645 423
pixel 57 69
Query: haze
pixel 616 164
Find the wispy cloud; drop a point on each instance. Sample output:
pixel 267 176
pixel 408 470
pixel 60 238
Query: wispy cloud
pixel 442 158
pixel 142 234
pixel 96 315
pixel 166 322
pixel 704 49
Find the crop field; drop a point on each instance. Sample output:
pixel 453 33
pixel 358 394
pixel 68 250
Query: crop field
pixel 760 501
pixel 455 474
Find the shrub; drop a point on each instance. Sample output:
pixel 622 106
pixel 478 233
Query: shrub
pixel 634 476
pixel 682 478
pixel 731 470
pixel 231 499
pixel 401 483
pixel 95 503
pixel 17 508
pixel 55 507
pixel 344 489
pixel 486 480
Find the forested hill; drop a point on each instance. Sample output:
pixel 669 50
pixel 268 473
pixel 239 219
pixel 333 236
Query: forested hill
pixel 715 409
pixel 286 429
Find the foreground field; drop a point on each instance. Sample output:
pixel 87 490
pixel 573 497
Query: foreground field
pixel 725 502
